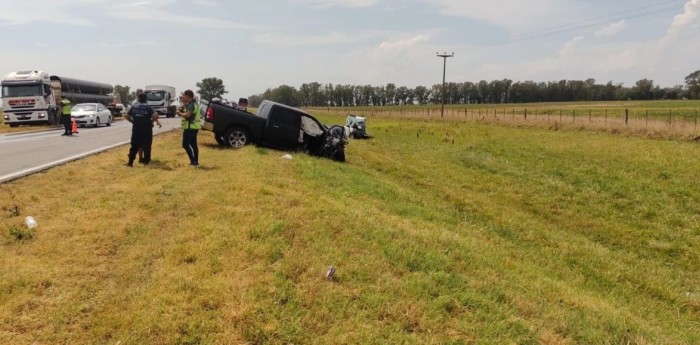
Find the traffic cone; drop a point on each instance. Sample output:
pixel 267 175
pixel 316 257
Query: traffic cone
pixel 74 130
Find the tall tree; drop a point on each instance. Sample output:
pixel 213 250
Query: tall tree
pixel 210 88
pixel 692 81
pixel 124 94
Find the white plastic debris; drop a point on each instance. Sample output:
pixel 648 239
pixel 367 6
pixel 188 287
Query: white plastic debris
pixel 330 273
pixel 288 157
pixel 30 222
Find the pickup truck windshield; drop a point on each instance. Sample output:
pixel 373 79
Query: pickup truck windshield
pixel 155 96
pixel 22 91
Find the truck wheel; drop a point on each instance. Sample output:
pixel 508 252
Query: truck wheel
pixel 109 122
pixel 339 155
pixel 236 138
pixel 219 140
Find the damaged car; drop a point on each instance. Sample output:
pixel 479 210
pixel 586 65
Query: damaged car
pixel 357 127
pixel 276 126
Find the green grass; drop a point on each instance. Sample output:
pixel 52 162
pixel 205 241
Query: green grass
pixel 509 235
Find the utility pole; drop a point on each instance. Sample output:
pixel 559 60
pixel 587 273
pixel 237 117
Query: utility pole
pixel 444 56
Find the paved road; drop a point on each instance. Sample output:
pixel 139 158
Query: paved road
pixel 25 154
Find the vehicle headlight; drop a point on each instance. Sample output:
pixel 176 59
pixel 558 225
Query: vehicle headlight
pixel 42 115
pixel 6 117
pixel 91 115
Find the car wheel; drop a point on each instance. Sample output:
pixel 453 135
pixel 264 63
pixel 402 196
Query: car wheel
pixel 97 122
pixel 236 138
pixel 109 121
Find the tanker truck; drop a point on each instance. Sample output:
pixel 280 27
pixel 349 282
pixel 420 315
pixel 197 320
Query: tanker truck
pixel 33 97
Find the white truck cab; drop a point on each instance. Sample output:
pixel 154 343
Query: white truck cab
pixel 28 98
pixel 162 99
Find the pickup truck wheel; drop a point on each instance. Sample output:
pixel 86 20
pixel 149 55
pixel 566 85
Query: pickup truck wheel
pixel 236 138
pixel 219 140
pixel 339 155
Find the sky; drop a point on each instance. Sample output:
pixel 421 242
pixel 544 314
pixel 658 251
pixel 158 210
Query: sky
pixel 256 45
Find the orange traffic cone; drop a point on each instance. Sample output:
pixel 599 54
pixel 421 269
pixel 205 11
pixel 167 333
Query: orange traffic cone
pixel 74 129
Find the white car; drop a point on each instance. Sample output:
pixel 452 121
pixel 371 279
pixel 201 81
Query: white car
pixel 91 114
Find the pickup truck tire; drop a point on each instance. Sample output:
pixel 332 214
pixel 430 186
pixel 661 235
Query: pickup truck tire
pixel 236 138
pixel 339 155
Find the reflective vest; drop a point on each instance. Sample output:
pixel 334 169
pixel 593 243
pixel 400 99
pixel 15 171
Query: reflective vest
pixel 196 119
pixel 66 107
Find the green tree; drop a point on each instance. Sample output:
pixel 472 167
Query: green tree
pixel 124 94
pixel 210 88
pixel 692 81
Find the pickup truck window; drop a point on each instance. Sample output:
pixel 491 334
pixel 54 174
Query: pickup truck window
pixel 264 111
pixel 286 117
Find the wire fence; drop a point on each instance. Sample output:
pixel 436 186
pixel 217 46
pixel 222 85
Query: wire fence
pixel 677 122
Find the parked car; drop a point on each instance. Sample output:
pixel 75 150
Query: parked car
pixel 357 126
pixel 91 114
pixel 276 126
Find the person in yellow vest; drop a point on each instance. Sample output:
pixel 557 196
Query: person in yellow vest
pixel 66 107
pixel 191 123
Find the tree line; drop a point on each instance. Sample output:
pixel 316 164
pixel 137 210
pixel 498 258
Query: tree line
pixel 483 92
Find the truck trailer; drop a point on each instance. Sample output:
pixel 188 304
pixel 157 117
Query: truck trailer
pixel 33 97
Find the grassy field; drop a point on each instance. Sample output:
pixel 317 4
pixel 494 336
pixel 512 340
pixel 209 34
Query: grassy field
pixel 442 233
pixel 657 119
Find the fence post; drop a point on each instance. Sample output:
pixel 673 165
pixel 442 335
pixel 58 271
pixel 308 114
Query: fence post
pixel 574 120
pixel 513 113
pixel 548 115
pixel 560 116
pixel 606 116
pixel 670 118
pixel 525 114
pixel 627 116
pixel 646 116
pixel 590 116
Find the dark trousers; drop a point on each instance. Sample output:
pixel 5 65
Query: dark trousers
pixel 66 119
pixel 189 143
pixel 141 138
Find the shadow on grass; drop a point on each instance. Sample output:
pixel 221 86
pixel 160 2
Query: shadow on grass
pixel 214 146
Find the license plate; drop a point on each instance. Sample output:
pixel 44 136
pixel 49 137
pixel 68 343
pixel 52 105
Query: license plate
pixel 24 117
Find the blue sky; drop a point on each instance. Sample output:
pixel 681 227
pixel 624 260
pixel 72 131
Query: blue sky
pixel 256 45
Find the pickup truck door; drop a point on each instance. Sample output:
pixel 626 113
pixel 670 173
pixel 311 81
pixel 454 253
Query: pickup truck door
pixel 283 128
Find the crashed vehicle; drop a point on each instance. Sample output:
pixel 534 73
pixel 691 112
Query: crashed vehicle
pixel 357 126
pixel 275 126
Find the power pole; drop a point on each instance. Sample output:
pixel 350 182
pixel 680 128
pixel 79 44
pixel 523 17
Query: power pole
pixel 444 56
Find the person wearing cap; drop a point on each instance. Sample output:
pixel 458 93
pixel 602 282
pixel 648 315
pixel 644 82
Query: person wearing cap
pixel 66 108
pixel 243 104
pixel 142 116
pixel 191 123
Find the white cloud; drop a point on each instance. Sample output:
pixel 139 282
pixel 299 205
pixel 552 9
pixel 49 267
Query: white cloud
pixel 404 43
pixel 612 29
pixel 510 14
pixel 333 3
pixel 48 11
pixel 157 11
pixel 681 21
pixel 307 40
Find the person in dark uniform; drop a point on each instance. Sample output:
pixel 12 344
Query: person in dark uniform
pixel 142 116
pixel 66 108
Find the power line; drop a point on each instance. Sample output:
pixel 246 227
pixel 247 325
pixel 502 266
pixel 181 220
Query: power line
pixel 584 24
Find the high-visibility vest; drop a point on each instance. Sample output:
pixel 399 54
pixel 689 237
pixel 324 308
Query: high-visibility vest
pixel 196 119
pixel 66 107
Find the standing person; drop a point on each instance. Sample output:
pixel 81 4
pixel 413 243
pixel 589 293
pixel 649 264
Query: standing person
pixel 243 104
pixel 66 107
pixel 142 116
pixel 191 123
pixel 141 158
